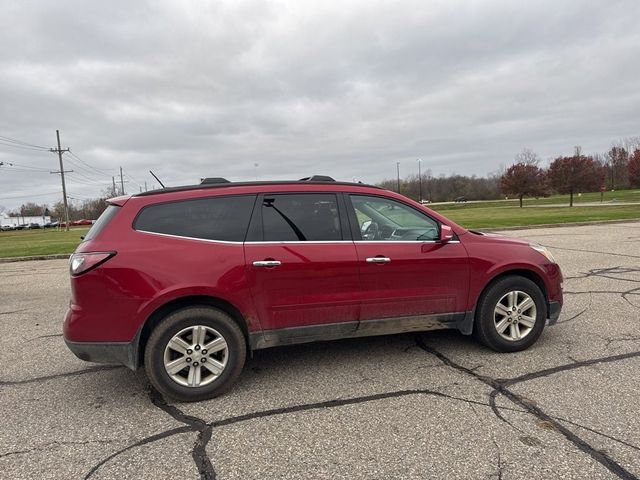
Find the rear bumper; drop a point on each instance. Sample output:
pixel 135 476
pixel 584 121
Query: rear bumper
pixel 554 312
pixel 123 353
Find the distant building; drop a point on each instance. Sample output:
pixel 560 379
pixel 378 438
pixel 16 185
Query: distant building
pixel 11 221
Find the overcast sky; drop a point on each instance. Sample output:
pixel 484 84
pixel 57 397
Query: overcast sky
pixel 347 89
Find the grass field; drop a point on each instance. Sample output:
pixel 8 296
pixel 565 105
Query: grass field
pixel 618 205
pixel 23 243
pixel 489 214
pixel 492 217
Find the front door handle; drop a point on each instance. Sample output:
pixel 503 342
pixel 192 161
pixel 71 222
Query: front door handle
pixel 378 260
pixel 267 263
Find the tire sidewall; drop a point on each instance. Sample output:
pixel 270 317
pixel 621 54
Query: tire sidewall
pixel 170 326
pixel 486 325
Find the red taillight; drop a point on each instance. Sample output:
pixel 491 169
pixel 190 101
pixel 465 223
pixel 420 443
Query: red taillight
pixel 80 263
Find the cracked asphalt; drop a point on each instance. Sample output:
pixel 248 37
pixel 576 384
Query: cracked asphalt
pixel 432 405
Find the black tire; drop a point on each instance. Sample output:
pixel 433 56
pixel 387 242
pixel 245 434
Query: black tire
pixel 485 329
pixel 174 323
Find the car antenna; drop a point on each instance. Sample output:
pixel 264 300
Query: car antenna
pixel 154 176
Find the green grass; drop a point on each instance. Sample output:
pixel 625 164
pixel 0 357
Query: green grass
pixel 619 196
pixel 24 243
pixel 618 205
pixel 478 217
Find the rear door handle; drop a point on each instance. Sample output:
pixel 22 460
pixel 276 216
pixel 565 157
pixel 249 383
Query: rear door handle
pixel 267 263
pixel 378 260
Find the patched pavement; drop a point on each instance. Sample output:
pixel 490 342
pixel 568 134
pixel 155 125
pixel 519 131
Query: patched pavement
pixel 433 405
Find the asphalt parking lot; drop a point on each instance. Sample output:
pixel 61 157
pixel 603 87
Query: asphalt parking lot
pixel 433 405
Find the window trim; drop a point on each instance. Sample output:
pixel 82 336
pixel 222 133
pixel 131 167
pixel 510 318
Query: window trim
pixel 207 197
pixel 357 234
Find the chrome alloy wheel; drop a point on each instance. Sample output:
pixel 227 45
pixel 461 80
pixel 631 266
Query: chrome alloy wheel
pixel 515 315
pixel 196 356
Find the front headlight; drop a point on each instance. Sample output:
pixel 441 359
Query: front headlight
pixel 544 251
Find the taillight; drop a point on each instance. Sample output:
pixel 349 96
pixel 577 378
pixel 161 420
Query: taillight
pixel 80 263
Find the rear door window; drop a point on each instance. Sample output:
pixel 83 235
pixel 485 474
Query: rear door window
pixel 301 217
pixel 213 218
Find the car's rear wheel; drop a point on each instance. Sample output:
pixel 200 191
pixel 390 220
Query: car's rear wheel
pixel 195 353
pixel 511 314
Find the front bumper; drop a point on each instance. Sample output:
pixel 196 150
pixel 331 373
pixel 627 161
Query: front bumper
pixel 123 353
pixel 554 312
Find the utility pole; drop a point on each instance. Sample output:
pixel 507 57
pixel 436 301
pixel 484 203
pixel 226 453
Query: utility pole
pixel 145 185
pixel 398 170
pixel 420 180
pixel 121 181
pixel 113 180
pixel 60 151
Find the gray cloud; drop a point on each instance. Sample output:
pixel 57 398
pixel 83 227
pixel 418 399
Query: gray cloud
pixel 195 89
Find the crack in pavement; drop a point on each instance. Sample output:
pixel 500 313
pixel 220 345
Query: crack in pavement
pixel 593 251
pixel 501 387
pixel 199 452
pixel 45 446
pixel 575 317
pixel 144 441
pixel 563 368
pixel 340 403
pixel 607 273
pixel 205 430
pixel 493 440
pixel 99 368
pixel 14 311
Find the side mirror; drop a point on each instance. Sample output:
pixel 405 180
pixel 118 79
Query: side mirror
pixel 446 233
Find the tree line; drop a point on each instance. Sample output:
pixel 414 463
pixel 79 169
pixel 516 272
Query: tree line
pixel 618 168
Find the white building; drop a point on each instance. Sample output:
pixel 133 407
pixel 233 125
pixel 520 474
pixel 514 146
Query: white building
pixel 11 221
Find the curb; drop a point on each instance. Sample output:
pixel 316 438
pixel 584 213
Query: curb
pixel 557 225
pixel 35 257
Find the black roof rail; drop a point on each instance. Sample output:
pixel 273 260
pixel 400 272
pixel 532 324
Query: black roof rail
pixel 223 183
pixel 212 180
pixel 317 178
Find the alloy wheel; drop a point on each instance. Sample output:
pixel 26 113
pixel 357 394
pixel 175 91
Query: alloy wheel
pixel 196 356
pixel 515 315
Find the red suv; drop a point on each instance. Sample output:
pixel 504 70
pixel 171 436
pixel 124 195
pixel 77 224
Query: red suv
pixel 184 280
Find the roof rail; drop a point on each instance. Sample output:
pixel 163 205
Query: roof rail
pixel 212 180
pixel 317 178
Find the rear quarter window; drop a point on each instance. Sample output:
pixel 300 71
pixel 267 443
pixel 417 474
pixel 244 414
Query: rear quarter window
pixel 213 218
pixel 102 222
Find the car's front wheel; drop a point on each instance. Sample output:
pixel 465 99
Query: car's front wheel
pixel 511 314
pixel 194 354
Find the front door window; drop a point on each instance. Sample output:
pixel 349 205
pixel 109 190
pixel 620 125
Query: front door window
pixel 385 219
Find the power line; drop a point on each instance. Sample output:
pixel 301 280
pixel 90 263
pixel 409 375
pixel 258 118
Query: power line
pixel 99 170
pixel 83 172
pixel 22 146
pixel 73 179
pixel 19 165
pixel 29 196
pixel 134 181
pixel 19 170
pixel 14 140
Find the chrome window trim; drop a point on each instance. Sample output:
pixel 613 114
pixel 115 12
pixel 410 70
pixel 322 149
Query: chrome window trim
pixel 275 242
pixel 198 239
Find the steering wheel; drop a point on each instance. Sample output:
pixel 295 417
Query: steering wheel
pixel 371 232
